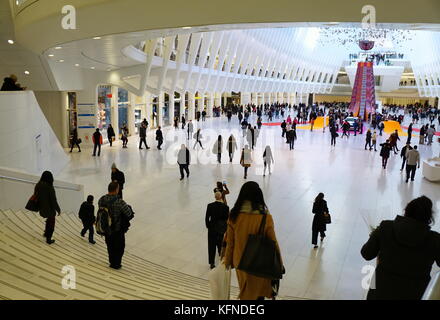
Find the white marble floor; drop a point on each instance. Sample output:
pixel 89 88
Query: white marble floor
pixel 169 224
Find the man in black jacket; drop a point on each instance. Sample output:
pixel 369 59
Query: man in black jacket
pixel 120 213
pixel 119 177
pixel 87 216
pixel 403 154
pixel 216 218
pixel 159 138
pixel 143 136
pixel 110 134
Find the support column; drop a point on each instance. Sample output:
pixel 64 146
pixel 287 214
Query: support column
pixel 144 107
pixel 149 108
pixel 191 106
pixel 254 98
pixel 130 113
pixel 65 119
pixel 114 110
pixel 210 104
pixel 171 102
pixel 160 106
pixel 224 100
pixel 182 106
pixel 202 102
pixel 218 99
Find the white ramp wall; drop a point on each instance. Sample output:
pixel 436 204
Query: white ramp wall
pixel 17 187
pixel 27 141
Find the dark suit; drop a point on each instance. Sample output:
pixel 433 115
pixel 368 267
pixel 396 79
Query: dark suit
pixel 217 214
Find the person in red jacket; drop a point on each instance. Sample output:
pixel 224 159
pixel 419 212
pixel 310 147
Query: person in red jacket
pixel 97 141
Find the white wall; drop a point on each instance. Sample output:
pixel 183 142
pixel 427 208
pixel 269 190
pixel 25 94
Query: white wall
pixel 17 187
pixel 27 141
pixel 50 104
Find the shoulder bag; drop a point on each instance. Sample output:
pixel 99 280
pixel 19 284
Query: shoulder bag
pixel 32 204
pixel 260 256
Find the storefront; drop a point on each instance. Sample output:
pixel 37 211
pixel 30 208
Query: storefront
pixel 72 113
pixel 122 109
pixel 104 108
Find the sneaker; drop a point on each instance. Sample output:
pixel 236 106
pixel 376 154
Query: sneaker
pixel 315 247
pixel 116 267
pixel 83 234
pixel 181 179
pixel 92 241
pixel 50 241
pixel 212 266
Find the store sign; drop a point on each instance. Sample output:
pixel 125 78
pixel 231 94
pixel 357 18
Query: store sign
pixel 86 117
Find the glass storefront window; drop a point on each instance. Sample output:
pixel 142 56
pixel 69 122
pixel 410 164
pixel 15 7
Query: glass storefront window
pixel 104 109
pixel 72 112
pixel 122 109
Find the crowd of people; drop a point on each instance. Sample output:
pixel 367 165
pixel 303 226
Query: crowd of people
pixel 229 228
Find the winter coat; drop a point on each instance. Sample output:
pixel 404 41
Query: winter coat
pixel 9 85
pixel 231 146
pixel 119 177
pixel 385 151
pixel 184 156
pixel 47 199
pixel 246 158
pixel 406 250
pixel 217 147
pixel 87 213
pixel 319 209
pixel 97 138
pixel 120 212
pixel 237 234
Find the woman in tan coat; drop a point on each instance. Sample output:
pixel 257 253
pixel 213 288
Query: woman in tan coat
pixel 245 219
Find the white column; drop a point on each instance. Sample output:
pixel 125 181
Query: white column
pixel 149 108
pixel 202 101
pixel 191 106
pixel 254 97
pixel 130 113
pixel 65 119
pixel 160 106
pixel 218 99
pixel 171 107
pixel 115 111
pixel 210 104
pixel 224 100
pixel 182 105
pixel 144 107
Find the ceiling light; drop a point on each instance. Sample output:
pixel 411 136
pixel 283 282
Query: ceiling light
pixel 186 27
pixel 11 41
pixel 77 65
pixel 26 72
pixel 60 60
pixel 58 48
pixel 51 55
pixel 97 38
pixel 93 68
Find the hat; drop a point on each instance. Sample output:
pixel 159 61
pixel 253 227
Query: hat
pixel 114 166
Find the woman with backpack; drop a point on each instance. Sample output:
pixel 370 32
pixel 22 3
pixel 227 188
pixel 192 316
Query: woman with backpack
pixel 246 219
pixel 47 201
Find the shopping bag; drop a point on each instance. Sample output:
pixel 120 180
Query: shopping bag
pixel 220 282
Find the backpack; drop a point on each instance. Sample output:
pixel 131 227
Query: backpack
pixel 104 220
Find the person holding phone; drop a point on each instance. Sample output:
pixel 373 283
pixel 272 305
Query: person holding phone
pixel 223 189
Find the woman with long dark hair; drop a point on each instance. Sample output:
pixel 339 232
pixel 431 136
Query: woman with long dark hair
pixel 245 219
pixel 319 224
pixel 47 201
pixel 406 249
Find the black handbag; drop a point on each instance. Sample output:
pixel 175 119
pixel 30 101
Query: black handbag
pixel 79 141
pixel 32 204
pixel 327 218
pixel 261 257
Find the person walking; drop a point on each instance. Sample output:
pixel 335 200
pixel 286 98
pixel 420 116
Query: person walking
pixel 183 160
pixel 283 128
pixel 381 127
pixel 291 137
pixel 119 177
pixel 319 225
pixel 268 159
pixel 190 129
pixel 429 133
pixel 422 135
pixel 48 204
pixel 159 138
pixel 385 152
pixel 412 160
pixel 251 137
pixel 87 216
pixel 183 123
pixel 394 137
pixel 334 134
pixel 198 136
pixel 124 136
pixel 216 218
pixel 374 139
pixel 217 148
pixel 405 248
pixel 410 129
pixel 403 154
pixel 74 141
pixel 231 147
pixel 110 134
pixel 97 142
pixel 345 129
pixel 143 136
pixel 246 160
pixel 245 219
pixel 120 215
pixel 368 139
pixel 176 122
